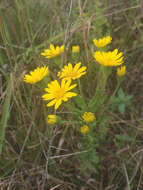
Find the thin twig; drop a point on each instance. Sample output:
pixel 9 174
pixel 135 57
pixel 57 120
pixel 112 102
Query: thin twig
pixel 47 155
pixel 127 178
pixel 67 32
pixel 136 168
pixel 66 155
pixel 85 40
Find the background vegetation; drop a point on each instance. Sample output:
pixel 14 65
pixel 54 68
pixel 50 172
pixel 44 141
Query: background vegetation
pixel 32 157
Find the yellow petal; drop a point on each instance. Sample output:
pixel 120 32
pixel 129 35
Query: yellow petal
pixel 58 103
pixel 77 66
pixel 51 103
pixel 48 96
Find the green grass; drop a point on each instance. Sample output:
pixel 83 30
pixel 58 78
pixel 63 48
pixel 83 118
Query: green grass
pixel 5 113
pixel 29 149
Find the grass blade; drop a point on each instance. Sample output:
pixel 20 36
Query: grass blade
pixel 5 113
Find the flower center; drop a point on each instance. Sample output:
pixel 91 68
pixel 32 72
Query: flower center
pixel 109 60
pixel 72 74
pixel 59 93
pixel 37 78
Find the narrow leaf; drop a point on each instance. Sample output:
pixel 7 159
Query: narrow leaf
pixel 5 113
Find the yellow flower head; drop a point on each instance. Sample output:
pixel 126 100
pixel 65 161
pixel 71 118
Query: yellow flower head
pixel 53 51
pixel 88 117
pixel 51 119
pixel 84 129
pixel 36 75
pixel 58 93
pixel 69 72
pixel 75 49
pixel 121 71
pixel 102 41
pixel 109 59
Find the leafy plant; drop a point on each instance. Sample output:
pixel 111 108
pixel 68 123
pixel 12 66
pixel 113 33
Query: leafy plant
pixel 122 101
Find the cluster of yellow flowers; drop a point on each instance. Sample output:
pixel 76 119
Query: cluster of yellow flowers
pixel 110 58
pixel 88 117
pixel 57 92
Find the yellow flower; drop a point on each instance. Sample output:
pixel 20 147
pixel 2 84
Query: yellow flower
pixel 53 51
pixel 121 71
pixel 51 119
pixel 102 41
pixel 75 49
pixel 57 93
pixel 36 75
pixel 84 129
pixel 69 72
pixel 109 59
pixel 88 117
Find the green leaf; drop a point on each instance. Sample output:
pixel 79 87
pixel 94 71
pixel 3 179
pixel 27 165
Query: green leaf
pixel 79 100
pixel 96 101
pixel 121 108
pixel 121 94
pixel 123 138
pixel 5 113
